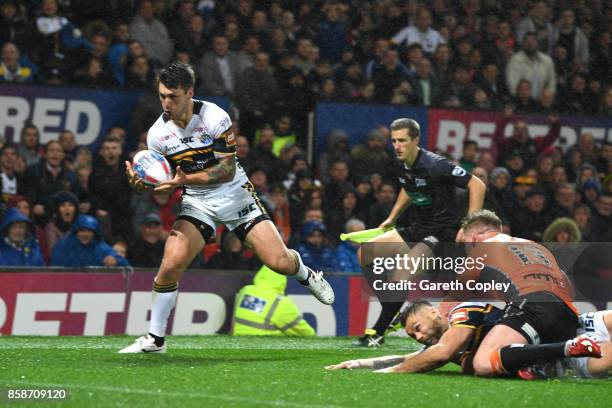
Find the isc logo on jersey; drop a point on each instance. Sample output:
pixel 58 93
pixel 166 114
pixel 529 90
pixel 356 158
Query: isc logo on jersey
pixel 152 167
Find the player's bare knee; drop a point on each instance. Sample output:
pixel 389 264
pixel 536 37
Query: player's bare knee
pixel 482 366
pixel 284 264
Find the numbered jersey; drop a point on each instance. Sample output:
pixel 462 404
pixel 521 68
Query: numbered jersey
pixel 207 138
pixel 430 183
pixel 529 267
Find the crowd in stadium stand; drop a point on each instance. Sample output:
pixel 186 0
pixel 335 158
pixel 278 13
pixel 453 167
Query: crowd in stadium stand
pixel 66 205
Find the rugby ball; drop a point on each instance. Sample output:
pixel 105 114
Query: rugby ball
pixel 152 167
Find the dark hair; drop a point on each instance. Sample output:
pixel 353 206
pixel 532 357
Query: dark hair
pixel 486 217
pixel 412 309
pixel 177 75
pixel 469 143
pixel 414 130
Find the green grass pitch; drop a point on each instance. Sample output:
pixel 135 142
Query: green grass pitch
pixel 222 371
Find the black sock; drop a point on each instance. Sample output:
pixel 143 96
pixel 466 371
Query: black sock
pixel 517 356
pixel 388 312
pixel 159 341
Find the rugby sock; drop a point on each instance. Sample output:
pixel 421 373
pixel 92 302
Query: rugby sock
pixel 387 313
pixel 164 299
pixel 516 356
pixel 302 273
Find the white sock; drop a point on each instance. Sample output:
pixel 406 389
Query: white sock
pixel 302 273
pixel 163 303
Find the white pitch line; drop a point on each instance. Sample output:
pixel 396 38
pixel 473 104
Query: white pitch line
pixel 171 394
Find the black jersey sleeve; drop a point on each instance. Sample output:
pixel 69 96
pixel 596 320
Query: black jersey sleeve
pixel 445 169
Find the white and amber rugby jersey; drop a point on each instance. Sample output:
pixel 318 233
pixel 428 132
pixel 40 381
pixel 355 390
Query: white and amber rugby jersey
pixel 207 138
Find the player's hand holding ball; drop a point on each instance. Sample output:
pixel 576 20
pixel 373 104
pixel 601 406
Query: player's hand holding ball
pixel 179 179
pixel 148 170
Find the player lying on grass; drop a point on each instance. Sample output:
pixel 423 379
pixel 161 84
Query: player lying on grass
pixel 456 337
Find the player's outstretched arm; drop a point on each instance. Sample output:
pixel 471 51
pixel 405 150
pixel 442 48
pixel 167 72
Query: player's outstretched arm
pixel 371 363
pixel 451 343
pixel 401 203
pixel 221 172
pixel 476 191
pixel 135 182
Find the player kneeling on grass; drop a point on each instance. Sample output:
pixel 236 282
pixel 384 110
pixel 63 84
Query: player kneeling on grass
pixel 197 140
pixel 262 309
pixel 455 337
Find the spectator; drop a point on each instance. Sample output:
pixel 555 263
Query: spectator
pixel 257 94
pixel 523 101
pixel 346 252
pixel 371 157
pixel 499 190
pixel 50 176
pixel 385 198
pixel 14 27
pixel 152 34
pixel 601 230
pixel 582 217
pixel 84 246
pixel 304 50
pixel 489 80
pixel 420 32
pixel 56 38
pixel 564 201
pixel 343 211
pixel 313 250
pixel 459 90
pixel 532 65
pixel 263 155
pixel 576 97
pixel 388 75
pixel 247 54
pixel 427 86
pixel 13 67
pixel 278 203
pixel 10 182
pixel 442 62
pixel 118 51
pixel 232 255
pixel 18 246
pixel 468 155
pixel 69 145
pixel 95 68
pixel 486 160
pixel 521 142
pixel 531 221
pixel 219 69
pixel 332 32
pixel 562 230
pixel 336 150
pixel 109 189
pixel 164 205
pixel 139 74
pixel 65 212
pixel 147 249
pixel 571 38
pixel 380 48
pixel 536 22
pixel 29 144
pixel 587 147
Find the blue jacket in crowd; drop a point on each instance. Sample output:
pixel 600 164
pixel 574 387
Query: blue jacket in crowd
pixel 25 254
pixel 71 252
pixel 319 258
pixel 346 255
